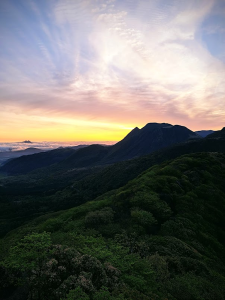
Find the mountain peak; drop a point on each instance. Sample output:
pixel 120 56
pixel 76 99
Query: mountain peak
pixel 27 142
pixel 152 137
pixel 155 125
pixel 220 134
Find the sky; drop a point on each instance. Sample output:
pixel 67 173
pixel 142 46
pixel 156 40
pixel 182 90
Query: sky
pixel 87 70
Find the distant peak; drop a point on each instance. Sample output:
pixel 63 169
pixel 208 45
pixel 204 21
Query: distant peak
pixel 156 125
pixel 27 142
pixel 179 126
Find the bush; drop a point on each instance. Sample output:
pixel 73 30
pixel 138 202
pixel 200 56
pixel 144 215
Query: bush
pixel 99 217
pixel 143 218
pixel 77 294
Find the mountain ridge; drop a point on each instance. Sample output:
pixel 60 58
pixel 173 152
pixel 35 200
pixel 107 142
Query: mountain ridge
pixel 138 142
pixel 150 138
pixel 204 133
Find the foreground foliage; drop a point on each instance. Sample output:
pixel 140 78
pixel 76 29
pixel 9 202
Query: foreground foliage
pixel 52 271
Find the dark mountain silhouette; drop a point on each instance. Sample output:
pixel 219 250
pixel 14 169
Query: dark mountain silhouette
pixel 138 142
pixel 220 134
pixel 27 142
pixel 151 137
pixel 88 156
pixel 4 156
pixel 204 133
pixel 27 163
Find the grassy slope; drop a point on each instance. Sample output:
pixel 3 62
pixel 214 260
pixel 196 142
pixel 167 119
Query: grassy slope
pixel 167 232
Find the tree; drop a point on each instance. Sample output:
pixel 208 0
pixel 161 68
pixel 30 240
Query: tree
pixel 99 217
pixel 51 271
pixel 28 258
pixel 78 293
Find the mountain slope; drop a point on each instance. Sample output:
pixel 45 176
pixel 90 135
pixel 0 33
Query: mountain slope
pixel 85 157
pixel 163 232
pixel 152 137
pixel 28 163
pixel 118 174
pixel 5 155
pixel 204 133
pixel 220 134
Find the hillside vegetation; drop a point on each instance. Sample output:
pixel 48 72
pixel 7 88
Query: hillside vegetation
pixel 161 236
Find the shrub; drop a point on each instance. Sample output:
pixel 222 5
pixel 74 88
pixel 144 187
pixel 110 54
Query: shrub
pixel 99 217
pixel 143 218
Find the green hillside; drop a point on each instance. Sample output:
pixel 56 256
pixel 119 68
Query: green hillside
pixel 161 236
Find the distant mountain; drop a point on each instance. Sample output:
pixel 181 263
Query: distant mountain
pixel 4 156
pixel 220 134
pixel 85 157
pixel 204 133
pixel 27 142
pixel 138 142
pixel 151 137
pixel 27 163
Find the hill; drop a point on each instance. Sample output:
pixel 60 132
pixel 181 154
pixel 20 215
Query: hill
pixel 6 155
pixel 28 162
pixel 220 134
pixel 204 133
pixel 27 142
pixel 161 236
pixel 152 137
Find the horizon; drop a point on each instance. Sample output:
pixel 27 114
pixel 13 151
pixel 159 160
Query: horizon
pixel 93 70
pixel 30 141
pixel 47 145
pixel 108 142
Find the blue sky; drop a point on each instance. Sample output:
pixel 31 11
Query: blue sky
pixel 69 69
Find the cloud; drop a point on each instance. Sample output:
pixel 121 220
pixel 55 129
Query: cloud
pixel 17 146
pixel 126 63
